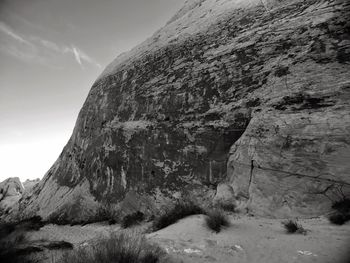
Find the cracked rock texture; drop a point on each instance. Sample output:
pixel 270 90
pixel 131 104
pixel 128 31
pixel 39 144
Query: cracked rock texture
pixel 252 94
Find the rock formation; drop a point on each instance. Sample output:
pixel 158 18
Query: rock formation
pixel 252 94
pixel 11 191
pixel 29 184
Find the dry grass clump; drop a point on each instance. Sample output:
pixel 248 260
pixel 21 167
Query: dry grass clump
pixel 216 220
pixel 180 210
pixel 342 212
pixel 132 219
pixel 122 248
pixel 65 216
pixel 292 226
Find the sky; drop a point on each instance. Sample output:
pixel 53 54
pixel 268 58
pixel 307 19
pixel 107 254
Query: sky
pixel 51 52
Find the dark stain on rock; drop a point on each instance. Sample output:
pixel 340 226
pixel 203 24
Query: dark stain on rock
pixel 282 71
pixel 303 101
pixel 253 103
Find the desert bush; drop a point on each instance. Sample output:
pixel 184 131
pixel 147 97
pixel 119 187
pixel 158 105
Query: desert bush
pixel 10 253
pixel 106 213
pixel 122 248
pixel 6 229
pixel 58 219
pixel 339 218
pixel 342 212
pixel 342 206
pixel 180 210
pixel 229 207
pixel 132 219
pixel 292 226
pixel 12 237
pixel 216 219
pixel 29 224
pixel 103 213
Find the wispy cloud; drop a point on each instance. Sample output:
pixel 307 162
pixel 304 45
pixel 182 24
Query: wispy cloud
pixel 81 56
pixel 34 51
pixel 10 32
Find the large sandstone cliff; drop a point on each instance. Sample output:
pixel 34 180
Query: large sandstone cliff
pixel 252 94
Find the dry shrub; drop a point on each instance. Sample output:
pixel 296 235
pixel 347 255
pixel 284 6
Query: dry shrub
pixel 228 207
pixel 10 252
pixel 342 206
pixel 122 248
pixel 29 224
pixel 293 227
pixel 342 212
pixel 339 218
pixel 216 219
pixel 64 215
pixel 132 219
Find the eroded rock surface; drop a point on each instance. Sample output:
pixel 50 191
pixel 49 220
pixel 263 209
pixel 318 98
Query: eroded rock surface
pixel 251 93
pixel 11 191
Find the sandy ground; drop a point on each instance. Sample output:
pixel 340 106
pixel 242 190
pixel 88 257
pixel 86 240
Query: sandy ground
pixel 247 240
pixel 252 240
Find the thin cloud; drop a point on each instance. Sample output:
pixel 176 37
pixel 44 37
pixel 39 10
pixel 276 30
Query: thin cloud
pixel 81 56
pixel 49 45
pixel 10 32
pixel 32 50
pixel 77 56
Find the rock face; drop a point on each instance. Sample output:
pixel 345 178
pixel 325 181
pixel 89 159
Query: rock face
pixel 254 94
pixel 29 184
pixel 11 191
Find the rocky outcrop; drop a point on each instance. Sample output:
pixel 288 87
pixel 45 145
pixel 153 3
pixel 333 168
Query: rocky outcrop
pixel 11 191
pixel 253 94
pixel 29 184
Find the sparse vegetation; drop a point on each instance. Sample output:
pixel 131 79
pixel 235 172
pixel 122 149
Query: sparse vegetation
pixel 132 219
pixel 342 206
pixel 342 212
pixel 228 207
pixel 15 248
pixel 292 226
pixel 180 210
pixel 103 213
pixel 216 219
pixel 58 219
pixel 122 248
pixel 30 224
pixel 59 245
pixel 10 253
pixel 339 218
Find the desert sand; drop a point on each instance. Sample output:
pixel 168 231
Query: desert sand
pixel 247 240
pixel 250 240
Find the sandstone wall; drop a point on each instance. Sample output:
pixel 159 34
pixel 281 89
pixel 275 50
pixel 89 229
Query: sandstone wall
pixel 253 94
